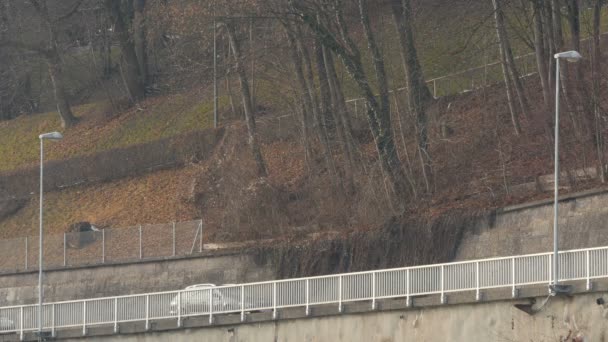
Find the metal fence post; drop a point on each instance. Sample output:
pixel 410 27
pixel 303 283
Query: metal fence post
pixel 513 289
pixel 307 306
pixel 21 323
pixel 141 252
pixel 550 256
pixel 477 293
pixel 103 246
pixel 408 297
pixel 53 321
pixel 340 294
pixel 274 300
pixel 242 303
pixel 173 238
pixel 179 309
pixel 210 306
pixel 435 88
pixel 147 312
pixel 442 286
pixel 65 253
pixel 116 315
pixel 84 318
pixel 26 253
pixel 373 290
pixel 588 286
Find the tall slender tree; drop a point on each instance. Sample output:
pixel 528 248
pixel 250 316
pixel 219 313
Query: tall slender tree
pixel 419 95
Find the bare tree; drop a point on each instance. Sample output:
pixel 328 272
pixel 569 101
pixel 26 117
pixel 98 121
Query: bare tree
pixel 509 70
pixel 378 112
pixel 50 49
pixel 139 39
pixel 130 70
pixel 596 83
pixel 419 95
pixel 247 102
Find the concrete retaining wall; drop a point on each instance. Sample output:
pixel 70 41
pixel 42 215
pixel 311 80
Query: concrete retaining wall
pixel 573 319
pixel 124 279
pixel 526 229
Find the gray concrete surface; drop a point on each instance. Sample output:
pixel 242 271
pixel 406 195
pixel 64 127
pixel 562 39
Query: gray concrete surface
pixel 576 318
pixel 131 278
pixel 528 228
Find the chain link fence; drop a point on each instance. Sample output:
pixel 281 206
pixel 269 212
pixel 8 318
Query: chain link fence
pixel 104 246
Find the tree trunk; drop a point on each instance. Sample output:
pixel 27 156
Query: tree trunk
pixel 418 93
pixel 132 74
pixel 378 120
pixel 139 39
pixel 382 109
pixel 302 93
pixel 541 53
pixel 339 103
pixel 558 35
pixel 323 120
pixel 596 78
pixel 61 97
pixel 504 47
pixel 339 114
pixel 247 105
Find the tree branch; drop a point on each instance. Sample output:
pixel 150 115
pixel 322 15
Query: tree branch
pixel 70 12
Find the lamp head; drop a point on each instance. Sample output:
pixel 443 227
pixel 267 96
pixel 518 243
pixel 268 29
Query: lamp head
pixel 570 56
pixel 51 136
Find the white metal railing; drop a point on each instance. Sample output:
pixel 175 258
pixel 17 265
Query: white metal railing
pixel 467 276
pixel 107 245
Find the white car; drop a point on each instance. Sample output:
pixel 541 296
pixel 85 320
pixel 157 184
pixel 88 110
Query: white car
pixel 195 299
pixel 6 325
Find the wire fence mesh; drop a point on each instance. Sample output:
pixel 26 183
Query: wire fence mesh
pixel 103 246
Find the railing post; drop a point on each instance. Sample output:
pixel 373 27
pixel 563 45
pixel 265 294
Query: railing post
pixel 84 318
pixel 307 297
pixel 408 297
pixel 141 251
pixel 26 253
pixel 588 286
pixel 179 309
pixel 173 238
pixel 550 256
pixel 21 323
pixel 116 315
pixel 340 294
pixel 103 246
pixel 147 312
pixel 65 253
pixel 477 293
pixel 442 285
pixel 373 290
pixel 53 321
pixel 242 303
pixel 356 111
pixel 435 88
pixel 513 289
pixel 210 306
pixel 274 300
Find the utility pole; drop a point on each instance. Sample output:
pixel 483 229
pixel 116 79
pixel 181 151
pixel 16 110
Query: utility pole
pixel 215 118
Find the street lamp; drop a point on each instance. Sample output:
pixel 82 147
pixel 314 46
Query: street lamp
pixel 555 288
pixel 42 137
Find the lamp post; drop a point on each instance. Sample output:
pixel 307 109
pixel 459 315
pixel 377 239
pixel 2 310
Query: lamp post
pixel 555 288
pixel 42 137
